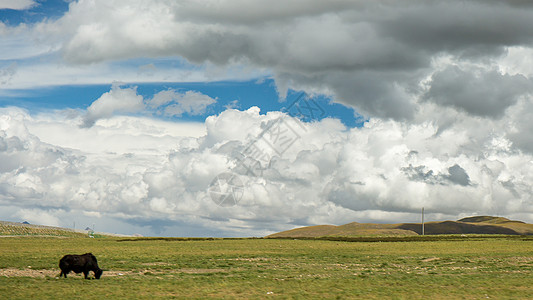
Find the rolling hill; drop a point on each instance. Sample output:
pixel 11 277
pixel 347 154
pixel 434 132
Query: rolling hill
pixel 470 225
pixel 22 229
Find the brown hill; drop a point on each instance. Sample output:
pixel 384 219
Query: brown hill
pixel 25 229
pixel 518 226
pixel 471 225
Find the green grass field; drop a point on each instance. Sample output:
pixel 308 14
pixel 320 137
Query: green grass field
pixel 464 268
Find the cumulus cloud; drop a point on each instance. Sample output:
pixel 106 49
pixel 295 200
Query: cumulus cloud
pixel 174 103
pixel 117 100
pixel 384 171
pixel 126 100
pixel 519 124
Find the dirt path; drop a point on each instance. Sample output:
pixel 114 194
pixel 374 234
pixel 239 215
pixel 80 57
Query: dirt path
pixel 13 272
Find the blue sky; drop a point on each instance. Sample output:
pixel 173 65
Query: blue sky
pixel 130 114
pixel 238 94
pixel 37 12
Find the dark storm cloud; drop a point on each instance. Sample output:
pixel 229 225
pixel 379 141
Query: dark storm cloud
pixel 460 26
pixel 456 175
pixel 484 93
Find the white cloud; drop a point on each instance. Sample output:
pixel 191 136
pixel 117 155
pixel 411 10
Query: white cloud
pixel 126 100
pixel 160 205
pixel 17 4
pixel 148 173
pixel 118 100
pixel 48 72
pixel 174 103
pixel 518 60
pixel 7 73
pixel 119 134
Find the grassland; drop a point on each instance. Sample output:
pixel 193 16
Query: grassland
pixel 453 267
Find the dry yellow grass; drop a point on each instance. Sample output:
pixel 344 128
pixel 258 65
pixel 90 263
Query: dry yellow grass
pixel 472 225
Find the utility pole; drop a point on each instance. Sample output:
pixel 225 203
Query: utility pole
pixel 422 220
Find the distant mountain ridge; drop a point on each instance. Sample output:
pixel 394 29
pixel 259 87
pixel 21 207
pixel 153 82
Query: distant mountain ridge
pixel 469 225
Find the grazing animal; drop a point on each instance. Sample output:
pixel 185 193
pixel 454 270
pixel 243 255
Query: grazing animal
pixel 80 264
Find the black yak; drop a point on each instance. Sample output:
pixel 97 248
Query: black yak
pixel 80 263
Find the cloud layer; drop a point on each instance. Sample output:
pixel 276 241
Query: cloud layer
pixel 381 57
pixel 146 174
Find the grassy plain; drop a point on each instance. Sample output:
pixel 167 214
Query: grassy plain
pixel 471 268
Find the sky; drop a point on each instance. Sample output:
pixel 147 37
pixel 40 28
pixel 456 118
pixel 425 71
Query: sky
pixel 248 117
